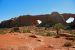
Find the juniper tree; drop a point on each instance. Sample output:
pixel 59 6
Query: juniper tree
pixel 57 27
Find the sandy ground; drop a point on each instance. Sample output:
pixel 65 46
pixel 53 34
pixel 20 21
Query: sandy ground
pixel 21 41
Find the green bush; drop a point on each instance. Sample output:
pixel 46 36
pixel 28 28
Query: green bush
pixel 26 31
pixel 57 27
pixel 46 33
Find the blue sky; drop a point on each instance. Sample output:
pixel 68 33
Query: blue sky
pixel 14 8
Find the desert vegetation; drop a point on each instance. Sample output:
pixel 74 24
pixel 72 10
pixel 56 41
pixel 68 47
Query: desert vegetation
pixel 51 38
pixel 57 27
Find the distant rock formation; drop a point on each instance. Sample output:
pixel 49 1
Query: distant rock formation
pixel 27 20
pixel 57 18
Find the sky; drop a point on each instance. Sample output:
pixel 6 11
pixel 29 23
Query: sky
pixel 14 8
pixel 71 19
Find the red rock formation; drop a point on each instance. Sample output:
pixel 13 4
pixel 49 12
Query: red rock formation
pixel 31 20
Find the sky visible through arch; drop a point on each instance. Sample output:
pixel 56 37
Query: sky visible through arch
pixel 14 8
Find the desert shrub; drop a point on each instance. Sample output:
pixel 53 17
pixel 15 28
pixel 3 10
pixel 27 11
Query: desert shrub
pixel 71 32
pixel 26 31
pixel 41 33
pixel 68 44
pixel 2 32
pixel 50 34
pixel 46 33
pixel 11 31
pixel 15 29
pixel 57 27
